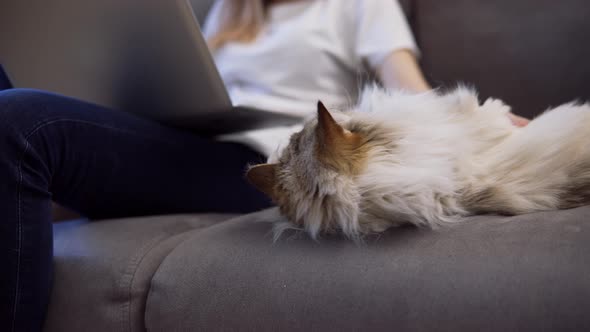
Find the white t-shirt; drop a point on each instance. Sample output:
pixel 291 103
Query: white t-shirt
pixel 308 50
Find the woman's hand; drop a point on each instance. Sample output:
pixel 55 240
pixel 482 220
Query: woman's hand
pixel 518 121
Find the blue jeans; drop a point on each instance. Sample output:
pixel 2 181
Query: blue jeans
pixel 102 164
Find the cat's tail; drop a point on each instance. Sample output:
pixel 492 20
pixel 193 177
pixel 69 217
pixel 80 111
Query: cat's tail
pixel 543 166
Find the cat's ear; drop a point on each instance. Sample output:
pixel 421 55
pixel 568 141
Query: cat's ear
pixel 338 147
pixel 329 131
pixel 263 177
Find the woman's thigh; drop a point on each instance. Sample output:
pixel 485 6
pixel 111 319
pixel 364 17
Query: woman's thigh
pixel 105 163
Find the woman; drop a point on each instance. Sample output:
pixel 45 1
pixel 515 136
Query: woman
pixel 277 55
pixel 284 55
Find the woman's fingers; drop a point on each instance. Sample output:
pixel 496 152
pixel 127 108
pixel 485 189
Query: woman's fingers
pixel 518 121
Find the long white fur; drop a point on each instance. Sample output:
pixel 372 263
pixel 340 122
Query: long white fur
pixel 441 145
pixel 419 181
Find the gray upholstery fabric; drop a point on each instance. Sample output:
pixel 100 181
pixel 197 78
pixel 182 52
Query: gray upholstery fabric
pixel 103 269
pixel 524 273
pixel 532 53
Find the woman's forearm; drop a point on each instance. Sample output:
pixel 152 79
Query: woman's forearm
pixel 400 70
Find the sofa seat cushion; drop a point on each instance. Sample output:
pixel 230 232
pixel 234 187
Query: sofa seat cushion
pixel 522 273
pixel 103 269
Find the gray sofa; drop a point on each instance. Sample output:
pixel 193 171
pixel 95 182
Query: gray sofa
pixel 223 273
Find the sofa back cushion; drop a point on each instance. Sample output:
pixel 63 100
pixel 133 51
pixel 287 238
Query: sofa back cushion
pixel 531 53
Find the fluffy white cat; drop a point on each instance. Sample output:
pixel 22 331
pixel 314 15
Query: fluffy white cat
pixel 426 159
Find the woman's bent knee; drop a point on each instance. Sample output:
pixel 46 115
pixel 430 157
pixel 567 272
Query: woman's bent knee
pixel 22 109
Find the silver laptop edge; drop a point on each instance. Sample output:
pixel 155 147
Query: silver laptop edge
pixel 147 57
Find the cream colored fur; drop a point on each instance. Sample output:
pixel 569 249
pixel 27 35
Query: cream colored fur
pixel 430 160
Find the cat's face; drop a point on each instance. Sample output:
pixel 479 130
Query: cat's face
pixel 313 180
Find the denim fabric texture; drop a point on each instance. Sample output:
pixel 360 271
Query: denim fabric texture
pixel 102 164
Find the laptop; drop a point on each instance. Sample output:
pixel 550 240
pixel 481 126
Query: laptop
pixel 148 57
